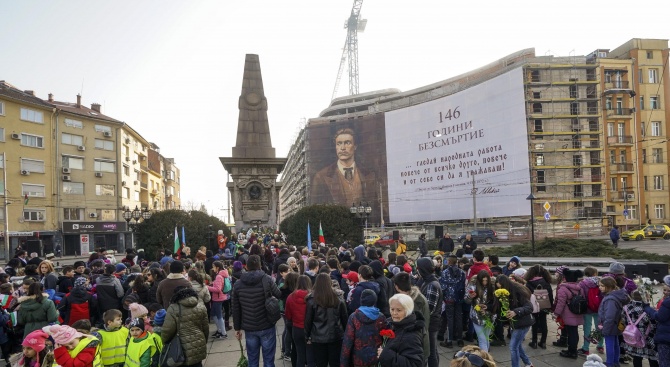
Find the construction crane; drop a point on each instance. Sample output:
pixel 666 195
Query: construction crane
pixel 353 25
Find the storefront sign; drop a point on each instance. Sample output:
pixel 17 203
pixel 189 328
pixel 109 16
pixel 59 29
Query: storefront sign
pixel 94 227
pixel 84 244
pixel 16 234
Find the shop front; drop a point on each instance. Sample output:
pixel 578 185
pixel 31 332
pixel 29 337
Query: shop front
pixel 41 242
pixel 83 238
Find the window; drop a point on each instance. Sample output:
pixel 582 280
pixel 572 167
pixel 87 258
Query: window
pixel 74 123
pixel 171 190
pixel 104 190
pixel 138 176
pixel 644 156
pixel 33 190
pixel 34 141
pixel 104 166
pixel 73 214
pixel 650 54
pixel 73 188
pixel 32 165
pixel 2 134
pixel 621 129
pixel 610 129
pixel 540 180
pixel 171 175
pixel 104 214
pixel 657 155
pixel 608 103
pixel 34 215
pixel 646 185
pixel 136 196
pixel 126 170
pixel 643 129
pixel 539 160
pixel 639 76
pixel 2 108
pixel 613 183
pixel 642 102
pixel 537 95
pixel 104 144
pixel 103 128
pixel 71 139
pixel 538 126
pixel 632 212
pixel 655 128
pixel 125 193
pixel 612 156
pixel 622 156
pixel 2 165
pixel 32 115
pixel 660 211
pixel 658 182
pixel 654 103
pixel 653 75
pixel 73 162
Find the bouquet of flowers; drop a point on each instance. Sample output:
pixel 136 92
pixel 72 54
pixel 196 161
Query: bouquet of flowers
pixel 484 316
pixel 503 296
pixel 596 336
pixel 646 287
pixel 243 361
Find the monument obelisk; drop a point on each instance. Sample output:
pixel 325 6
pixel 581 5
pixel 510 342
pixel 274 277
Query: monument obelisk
pixel 253 167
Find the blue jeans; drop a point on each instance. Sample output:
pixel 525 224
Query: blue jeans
pixel 483 334
pixel 590 322
pixel 266 339
pixel 217 312
pixel 516 347
pixel 612 350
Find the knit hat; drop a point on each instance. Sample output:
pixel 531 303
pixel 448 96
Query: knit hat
pixel 80 282
pixel 159 318
pixel 368 298
pixel 593 360
pixel 666 280
pixel 515 259
pixel 35 340
pixel 572 275
pixel 137 310
pixel 62 334
pixel 78 264
pixel 176 267
pixel 617 268
pixel 136 322
pixel 520 272
pixel 237 266
pixel 560 269
pixel 120 267
pixel 135 269
pixel 407 268
pixel 352 276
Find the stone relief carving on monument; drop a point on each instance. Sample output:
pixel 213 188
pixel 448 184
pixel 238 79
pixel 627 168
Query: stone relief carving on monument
pixel 264 171
pixel 244 171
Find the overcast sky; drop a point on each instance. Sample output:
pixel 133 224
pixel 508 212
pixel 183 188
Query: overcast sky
pixel 173 69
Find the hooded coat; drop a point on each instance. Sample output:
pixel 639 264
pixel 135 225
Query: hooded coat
pixel 421 307
pixel 384 282
pixel 35 315
pixel 359 251
pixel 216 289
pixel 193 325
pixel 361 338
pixel 248 298
pixel 610 311
pixel 78 295
pixel 564 293
pixel 662 318
pixel 406 349
pixel 647 328
pixel 430 288
pixel 110 292
pixel 382 300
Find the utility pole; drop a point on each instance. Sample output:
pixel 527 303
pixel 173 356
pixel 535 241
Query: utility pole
pixel 4 183
pixel 474 201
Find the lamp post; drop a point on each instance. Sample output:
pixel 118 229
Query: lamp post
pixel 532 197
pixel 135 215
pixel 363 210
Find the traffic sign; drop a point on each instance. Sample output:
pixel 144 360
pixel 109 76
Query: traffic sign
pixel 547 216
pixel 546 206
pixel 625 212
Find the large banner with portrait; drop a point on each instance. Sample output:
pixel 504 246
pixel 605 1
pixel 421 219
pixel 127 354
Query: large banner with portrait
pixel 436 150
pixel 346 163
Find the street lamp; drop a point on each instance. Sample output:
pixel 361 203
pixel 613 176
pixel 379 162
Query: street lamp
pixel 532 197
pixel 363 210
pixel 135 215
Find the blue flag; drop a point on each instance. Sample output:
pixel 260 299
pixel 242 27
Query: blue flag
pixel 183 236
pixel 309 238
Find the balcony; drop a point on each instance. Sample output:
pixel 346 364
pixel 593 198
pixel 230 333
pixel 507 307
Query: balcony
pixel 621 168
pixel 617 86
pixel 620 140
pixel 144 185
pixel 154 192
pixel 622 196
pixel 620 112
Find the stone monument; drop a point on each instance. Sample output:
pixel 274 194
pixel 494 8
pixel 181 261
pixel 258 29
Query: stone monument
pixel 253 166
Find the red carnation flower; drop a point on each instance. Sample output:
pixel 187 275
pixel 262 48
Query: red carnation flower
pixel 387 333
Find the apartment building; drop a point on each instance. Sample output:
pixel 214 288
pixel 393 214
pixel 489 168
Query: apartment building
pixel 171 179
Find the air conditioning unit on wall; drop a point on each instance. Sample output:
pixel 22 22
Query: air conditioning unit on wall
pixel 25 172
pixel 98 174
pixel 107 134
pixel 67 178
pixel 66 170
pixel 93 215
pixel 81 148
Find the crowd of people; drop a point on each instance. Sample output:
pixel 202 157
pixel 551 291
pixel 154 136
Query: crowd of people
pixel 341 306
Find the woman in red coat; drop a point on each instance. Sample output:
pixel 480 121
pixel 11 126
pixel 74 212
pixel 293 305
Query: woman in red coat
pixel 295 311
pixel 564 293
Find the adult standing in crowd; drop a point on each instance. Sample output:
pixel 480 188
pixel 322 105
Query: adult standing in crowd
pixel 423 248
pixel 565 292
pixel 519 316
pixel 469 245
pixel 218 297
pixel 166 288
pixel 48 278
pixel 405 350
pixel 189 316
pixel 249 295
pixel 36 310
pixel 431 289
pixel 325 321
pixel 446 244
pixel 109 291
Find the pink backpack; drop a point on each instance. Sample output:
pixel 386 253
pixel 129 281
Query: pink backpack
pixel 631 334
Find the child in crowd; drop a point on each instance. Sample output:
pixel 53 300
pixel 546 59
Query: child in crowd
pixel 493 265
pixel 73 348
pixel 352 281
pixel 144 347
pixel 609 314
pixel 137 311
pixel 361 337
pixel 34 351
pixel 113 339
pixel 7 300
pixel 83 326
pixel 159 319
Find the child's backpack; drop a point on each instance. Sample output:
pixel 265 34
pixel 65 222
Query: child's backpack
pixel 631 334
pixel 593 299
pixel 577 304
pixel 227 285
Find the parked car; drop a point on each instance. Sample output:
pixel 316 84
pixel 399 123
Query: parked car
pixel 652 231
pixel 371 239
pixel 385 240
pixel 481 235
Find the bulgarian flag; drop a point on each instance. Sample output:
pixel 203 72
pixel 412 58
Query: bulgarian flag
pixel 321 239
pixel 177 246
pixel 25 200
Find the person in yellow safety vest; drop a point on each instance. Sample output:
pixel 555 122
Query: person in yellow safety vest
pixel 72 348
pixel 144 347
pixel 113 340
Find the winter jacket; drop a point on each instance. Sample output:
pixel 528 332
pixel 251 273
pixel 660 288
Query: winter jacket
pixel 296 307
pixel 165 290
pixel 586 284
pixel 4 318
pixel 152 291
pixel 65 284
pixel 405 350
pixel 610 310
pixel 476 268
pixel 430 288
pixel 524 311
pixel 216 289
pixel 614 234
pixel 203 292
pixel 325 325
pixel 452 283
pixel 564 293
pixel 248 297
pixel 662 318
pixel 423 248
pixel 281 259
pixel 647 328
pixel 193 326
pixel 382 300
pixel 73 305
pixel 485 299
pixel 536 282
pixel 36 315
pixel 49 281
pixel 472 244
pixel 421 307
pixel 110 292
pixel 361 338
pixel 446 245
pixel 629 284
pixel 385 283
